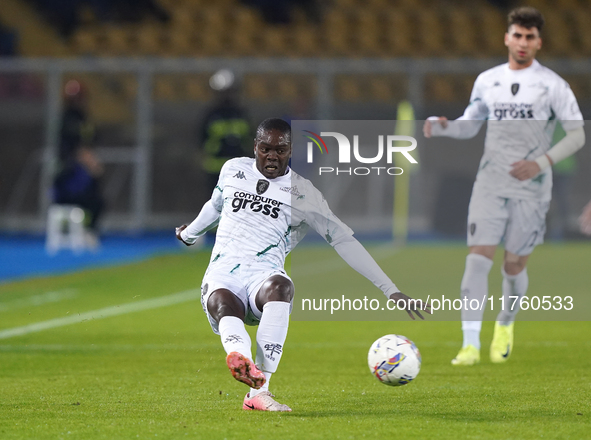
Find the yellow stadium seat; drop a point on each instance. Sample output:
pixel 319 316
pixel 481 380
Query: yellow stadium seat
pixel 212 41
pixel 304 41
pixel 183 19
pixel 431 33
pixel 84 42
pixel 214 17
pixel 177 43
pixel 345 4
pixel 243 44
pixel 367 34
pixel 583 30
pixel 334 34
pixel 378 6
pixel 287 89
pixel 198 89
pixel 440 88
pixel 118 41
pixel 256 88
pixel 462 28
pixel 164 89
pixel 246 19
pixel 149 40
pixel 380 89
pixel 493 25
pixel 274 42
pixel 347 89
pixel 399 34
pixel 557 39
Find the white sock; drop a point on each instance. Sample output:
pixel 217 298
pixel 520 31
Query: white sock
pixel 474 286
pixel 471 330
pixel 234 336
pixel 265 387
pixel 513 285
pixel 271 335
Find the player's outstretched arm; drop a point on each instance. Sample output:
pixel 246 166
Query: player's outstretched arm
pixel 207 219
pixel 466 126
pixel 460 128
pixel 359 259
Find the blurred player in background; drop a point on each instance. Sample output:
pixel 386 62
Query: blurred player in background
pixel 521 101
pixel 264 209
pixel 78 179
pixel 225 130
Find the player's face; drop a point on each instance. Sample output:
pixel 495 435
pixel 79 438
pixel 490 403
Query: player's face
pixel 523 44
pixel 272 151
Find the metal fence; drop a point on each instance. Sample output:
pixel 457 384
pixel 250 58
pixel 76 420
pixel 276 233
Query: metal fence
pixel 148 131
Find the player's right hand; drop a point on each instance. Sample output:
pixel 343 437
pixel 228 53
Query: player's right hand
pixel 178 234
pixel 411 305
pixel 428 125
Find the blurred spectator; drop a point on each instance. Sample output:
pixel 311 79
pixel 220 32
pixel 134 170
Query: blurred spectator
pixel 279 11
pixel 503 5
pixel 65 14
pixel 8 41
pixel 78 178
pixel 137 10
pixel 225 131
pixel 104 10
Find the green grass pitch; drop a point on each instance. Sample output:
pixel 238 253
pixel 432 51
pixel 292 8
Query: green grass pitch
pixel 160 373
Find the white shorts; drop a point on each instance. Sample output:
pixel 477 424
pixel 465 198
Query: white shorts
pixel 521 222
pixel 244 284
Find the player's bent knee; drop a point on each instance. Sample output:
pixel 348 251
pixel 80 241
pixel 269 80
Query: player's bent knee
pixel 514 268
pixel 222 303
pixel 514 264
pixel 485 251
pixel 275 288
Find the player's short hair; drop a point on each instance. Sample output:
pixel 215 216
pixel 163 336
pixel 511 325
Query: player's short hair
pixel 273 124
pixel 527 17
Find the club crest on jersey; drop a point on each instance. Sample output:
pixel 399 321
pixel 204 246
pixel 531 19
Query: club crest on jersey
pixel 514 88
pixel 262 186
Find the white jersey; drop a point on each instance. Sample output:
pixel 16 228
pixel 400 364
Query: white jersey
pixel 262 219
pixel 521 107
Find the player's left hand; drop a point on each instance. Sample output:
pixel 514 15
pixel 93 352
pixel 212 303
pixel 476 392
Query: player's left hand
pixel 178 234
pixel 411 305
pixel 524 169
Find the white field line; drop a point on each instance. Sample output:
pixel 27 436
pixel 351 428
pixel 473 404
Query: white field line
pixel 107 312
pixel 309 269
pixel 37 300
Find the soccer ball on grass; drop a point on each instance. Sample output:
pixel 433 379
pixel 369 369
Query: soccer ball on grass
pixel 394 360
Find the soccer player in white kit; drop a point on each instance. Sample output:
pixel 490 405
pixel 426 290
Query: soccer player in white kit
pixel 521 101
pixel 263 209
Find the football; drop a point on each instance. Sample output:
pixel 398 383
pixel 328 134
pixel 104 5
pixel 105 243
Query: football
pixel 394 360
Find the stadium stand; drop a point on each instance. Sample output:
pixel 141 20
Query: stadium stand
pixel 350 28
